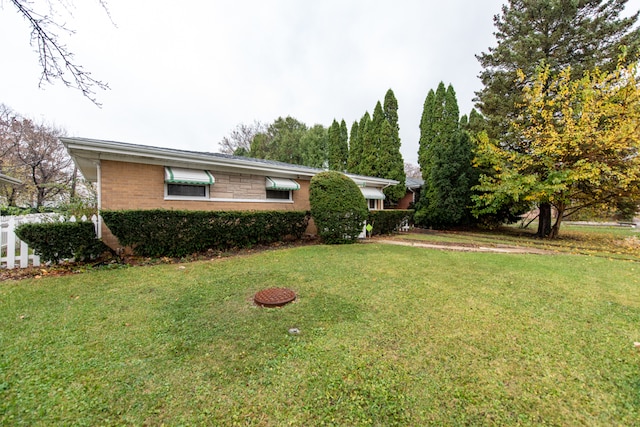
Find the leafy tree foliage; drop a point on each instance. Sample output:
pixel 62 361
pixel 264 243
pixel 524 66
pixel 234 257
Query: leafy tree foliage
pixel 445 156
pixel 582 144
pixel 337 206
pixel 32 153
pixel 280 142
pixel 239 140
pixel 580 34
pixel 314 143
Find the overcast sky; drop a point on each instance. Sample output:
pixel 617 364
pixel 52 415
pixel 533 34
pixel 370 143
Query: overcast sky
pixel 185 74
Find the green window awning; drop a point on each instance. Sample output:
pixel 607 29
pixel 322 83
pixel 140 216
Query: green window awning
pixel 187 176
pixel 372 193
pixel 281 184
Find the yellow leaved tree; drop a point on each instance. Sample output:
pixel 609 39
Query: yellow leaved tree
pixel 580 140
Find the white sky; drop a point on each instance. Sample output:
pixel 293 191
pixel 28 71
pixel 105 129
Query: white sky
pixel 184 74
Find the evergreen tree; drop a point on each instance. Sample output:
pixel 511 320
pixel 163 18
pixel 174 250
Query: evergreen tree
pixel 336 148
pixel 446 155
pixel 427 132
pixel 366 136
pixel 355 149
pixel 344 145
pixel 314 142
pixel 371 150
pixel 391 164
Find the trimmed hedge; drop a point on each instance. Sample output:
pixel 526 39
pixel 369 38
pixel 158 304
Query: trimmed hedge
pixel 160 232
pixel 54 241
pixel 389 221
pixel 337 206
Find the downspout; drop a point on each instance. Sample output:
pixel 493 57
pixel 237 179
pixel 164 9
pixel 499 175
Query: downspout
pixel 99 195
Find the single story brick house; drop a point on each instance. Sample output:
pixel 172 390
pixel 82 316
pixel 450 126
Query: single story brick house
pixel 131 176
pixel 414 186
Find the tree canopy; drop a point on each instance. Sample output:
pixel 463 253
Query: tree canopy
pixel 580 34
pixel 583 143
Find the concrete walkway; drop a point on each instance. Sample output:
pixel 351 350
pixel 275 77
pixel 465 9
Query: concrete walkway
pixel 503 249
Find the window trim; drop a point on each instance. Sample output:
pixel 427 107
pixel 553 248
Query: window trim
pixel 176 197
pixel 279 199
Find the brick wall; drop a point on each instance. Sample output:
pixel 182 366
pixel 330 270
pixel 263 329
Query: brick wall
pixel 140 186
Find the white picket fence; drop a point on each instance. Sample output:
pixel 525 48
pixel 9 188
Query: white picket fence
pixel 14 252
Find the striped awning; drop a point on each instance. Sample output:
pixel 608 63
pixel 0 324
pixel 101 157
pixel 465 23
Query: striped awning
pixel 281 184
pixel 372 193
pixel 187 176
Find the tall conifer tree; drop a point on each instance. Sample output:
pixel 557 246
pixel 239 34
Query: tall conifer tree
pixel 446 154
pixel 337 146
pixel 355 149
pixel 391 164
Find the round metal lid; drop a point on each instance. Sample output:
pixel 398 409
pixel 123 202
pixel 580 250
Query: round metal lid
pixel 274 297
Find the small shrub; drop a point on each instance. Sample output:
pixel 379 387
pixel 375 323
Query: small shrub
pixel 389 221
pixel 160 232
pixel 61 240
pixel 337 206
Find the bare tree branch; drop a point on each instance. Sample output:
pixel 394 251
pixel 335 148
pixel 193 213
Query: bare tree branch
pixel 56 60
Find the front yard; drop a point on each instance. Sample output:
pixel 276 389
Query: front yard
pixel 389 335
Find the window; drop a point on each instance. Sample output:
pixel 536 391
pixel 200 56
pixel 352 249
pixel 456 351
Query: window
pixel 187 183
pixel 279 194
pixel 372 204
pixel 185 190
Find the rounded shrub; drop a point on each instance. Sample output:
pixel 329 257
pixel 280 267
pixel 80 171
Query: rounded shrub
pixel 337 206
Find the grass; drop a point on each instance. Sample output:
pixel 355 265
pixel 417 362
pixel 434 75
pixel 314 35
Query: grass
pixel 389 335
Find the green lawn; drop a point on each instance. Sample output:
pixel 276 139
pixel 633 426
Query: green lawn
pixel 389 335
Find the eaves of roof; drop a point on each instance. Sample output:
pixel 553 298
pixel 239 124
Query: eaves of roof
pixel 9 180
pixel 88 152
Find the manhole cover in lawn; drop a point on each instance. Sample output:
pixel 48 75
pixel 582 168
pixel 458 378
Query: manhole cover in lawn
pixel 274 297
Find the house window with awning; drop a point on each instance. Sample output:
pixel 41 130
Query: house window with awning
pixel 187 183
pixel 280 188
pixel 373 195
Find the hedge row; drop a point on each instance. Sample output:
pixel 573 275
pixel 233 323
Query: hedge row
pixel 172 233
pixel 54 241
pixel 389 221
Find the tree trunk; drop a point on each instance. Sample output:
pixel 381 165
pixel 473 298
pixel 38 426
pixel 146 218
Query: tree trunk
pixel 74 182
pixel 544 220
pixel 555 231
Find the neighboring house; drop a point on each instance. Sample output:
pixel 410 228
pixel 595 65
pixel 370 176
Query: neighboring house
pixel 130 176
pixel 4 179
pixel 414 185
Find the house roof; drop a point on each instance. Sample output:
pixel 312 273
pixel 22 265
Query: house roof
pixel 414 183
pixel 87 154
pixel 9 180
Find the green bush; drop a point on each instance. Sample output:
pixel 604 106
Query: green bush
pixel 389 221
pixel 54 241
pixel 161 232
pixel 337 206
